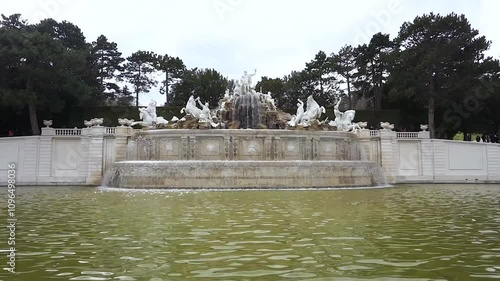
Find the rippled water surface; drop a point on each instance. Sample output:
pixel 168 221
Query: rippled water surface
pixel 420 232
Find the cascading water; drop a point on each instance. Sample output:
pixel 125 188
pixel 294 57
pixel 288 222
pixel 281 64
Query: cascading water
pixel 247 110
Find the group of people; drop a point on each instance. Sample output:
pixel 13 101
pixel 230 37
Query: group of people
pixel 491 138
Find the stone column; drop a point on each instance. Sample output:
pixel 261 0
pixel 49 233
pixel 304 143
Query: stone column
pixel 364 140
pixel 96 152
pixel 122 135
pixel 388 147
pixel 46 162
pixel 268 148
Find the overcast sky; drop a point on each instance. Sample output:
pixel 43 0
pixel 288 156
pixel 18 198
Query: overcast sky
pixel 272 36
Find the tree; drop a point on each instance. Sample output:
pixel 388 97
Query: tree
pixel 138 71
pixel 438 61
pixel 319 78
pixel 38 71
pixel 208 84
pixel 124 96
pixel 372 61
pixel 106 61
pixel 70 35
pixel 344 63
pixel 294 88
pixel 173 68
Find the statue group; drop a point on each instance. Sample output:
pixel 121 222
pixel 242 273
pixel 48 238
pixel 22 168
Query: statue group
pixel 304 117
pixel 343 120
pixel 149 117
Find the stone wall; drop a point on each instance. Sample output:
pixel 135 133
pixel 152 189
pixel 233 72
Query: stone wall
pixel 81 156
pixel 243 145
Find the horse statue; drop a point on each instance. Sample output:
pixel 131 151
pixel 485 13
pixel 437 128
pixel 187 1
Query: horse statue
pixel 343 120
pixel 148 116
pixel 313 111
pixel 191 107
pixel 204 114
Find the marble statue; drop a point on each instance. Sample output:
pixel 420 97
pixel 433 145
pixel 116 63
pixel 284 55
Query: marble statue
pixel 191 107
pixel 268 100
pixel 343 120
pixel 237 89
pixel 312 113
pixel 204 114
pixel 246 81
pixel 149 117
pixel 298 115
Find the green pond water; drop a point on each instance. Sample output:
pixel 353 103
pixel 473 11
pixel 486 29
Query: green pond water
pixel 413 232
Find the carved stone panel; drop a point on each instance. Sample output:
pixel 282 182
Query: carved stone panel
pixel 170 149
pixel 291 148
pixel 251 149
pixel 327 149
pixel 210 148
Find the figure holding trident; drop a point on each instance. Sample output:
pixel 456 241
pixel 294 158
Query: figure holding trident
pixel 246 81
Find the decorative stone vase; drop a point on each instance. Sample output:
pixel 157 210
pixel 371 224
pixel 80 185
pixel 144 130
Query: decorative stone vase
pixel 363 125
pixel 97 122
pixel 87 123
pixel 386 126
pixel 122 121
pixel 47 123
pixel 129 122
pixel 424 127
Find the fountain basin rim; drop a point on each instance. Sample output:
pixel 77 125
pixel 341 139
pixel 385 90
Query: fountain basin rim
pixel 215 189
pixel 246 132
pixel 241 161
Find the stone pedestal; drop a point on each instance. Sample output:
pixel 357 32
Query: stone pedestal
pixel 45 152
pixel 388 147
pixel 424 135
pixel 122 135
pixel 96 144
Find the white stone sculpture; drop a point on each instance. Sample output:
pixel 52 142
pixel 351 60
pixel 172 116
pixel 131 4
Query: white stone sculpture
pixel 246 81
pixel 305 118
pixel 47 123
pixel 149 117
pixel 122 122
pixel 386 126
pixel 97 121
pixel 343 120
pixel 424 127
pixel 237 89
pixel 204 114
pixel 87 123
pixel 298 116
pixel 191 108
pixel 268 99
pixel 363 125
pixel 312 113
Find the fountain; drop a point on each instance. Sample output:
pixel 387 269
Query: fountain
pixel 244 148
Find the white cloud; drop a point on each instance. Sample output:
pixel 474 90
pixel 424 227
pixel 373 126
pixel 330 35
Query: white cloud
pixel 273 36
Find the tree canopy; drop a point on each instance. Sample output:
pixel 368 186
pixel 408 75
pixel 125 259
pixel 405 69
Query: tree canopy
pixel 436 64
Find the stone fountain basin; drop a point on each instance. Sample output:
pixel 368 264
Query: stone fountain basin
pixel 186 174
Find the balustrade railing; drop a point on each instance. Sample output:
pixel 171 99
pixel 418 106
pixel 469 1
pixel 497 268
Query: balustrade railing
pixel 407 135
pixel 68 132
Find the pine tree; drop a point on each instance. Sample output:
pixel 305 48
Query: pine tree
pixel 138 71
